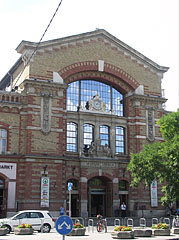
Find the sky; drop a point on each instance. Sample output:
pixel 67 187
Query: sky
pixel 149 26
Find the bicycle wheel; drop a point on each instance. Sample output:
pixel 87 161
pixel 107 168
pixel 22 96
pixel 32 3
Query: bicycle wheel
pixel 99 227
pixel 102 228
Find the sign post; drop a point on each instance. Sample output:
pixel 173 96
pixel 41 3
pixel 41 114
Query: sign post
pixel 70 184
pixel 64 225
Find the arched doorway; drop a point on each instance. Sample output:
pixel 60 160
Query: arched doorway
pixel 99 196
pixel 2 198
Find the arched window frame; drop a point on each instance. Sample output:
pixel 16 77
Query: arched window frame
pixel 81 91
pixel 72 133
pixel 120 140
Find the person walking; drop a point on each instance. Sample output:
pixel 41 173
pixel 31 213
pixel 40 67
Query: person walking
pixel 62 211
pixel 123 210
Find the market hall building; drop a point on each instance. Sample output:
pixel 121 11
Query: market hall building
pixel 75 109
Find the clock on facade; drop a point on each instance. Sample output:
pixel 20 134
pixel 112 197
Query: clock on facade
pixel 97 104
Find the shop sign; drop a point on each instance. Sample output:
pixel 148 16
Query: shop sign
pixel 8 169
pixel 45 183
pixel 154 197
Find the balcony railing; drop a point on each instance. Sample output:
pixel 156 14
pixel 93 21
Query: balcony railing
pixel 9 97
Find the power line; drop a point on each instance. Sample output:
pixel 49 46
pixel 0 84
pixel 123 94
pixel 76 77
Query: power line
pixel 39 41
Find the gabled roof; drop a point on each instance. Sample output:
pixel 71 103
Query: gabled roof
pixel 87 36
pixel 99 33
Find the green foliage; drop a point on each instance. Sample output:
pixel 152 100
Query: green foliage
pixel 25 225
pixel 78 225
pixel 122 229
pixel 160 226
pixel 3 225
pixel 160 160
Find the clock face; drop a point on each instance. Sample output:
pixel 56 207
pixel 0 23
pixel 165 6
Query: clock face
pixel 97 104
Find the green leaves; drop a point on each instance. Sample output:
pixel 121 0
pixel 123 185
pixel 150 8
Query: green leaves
pixel 160 160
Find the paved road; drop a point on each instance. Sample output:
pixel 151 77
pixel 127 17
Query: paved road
pixel 53 235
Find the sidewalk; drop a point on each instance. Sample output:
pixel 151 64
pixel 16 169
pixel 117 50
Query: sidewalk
pixel 53 235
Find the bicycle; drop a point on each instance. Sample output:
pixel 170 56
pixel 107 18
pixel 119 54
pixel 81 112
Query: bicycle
pixel 102 225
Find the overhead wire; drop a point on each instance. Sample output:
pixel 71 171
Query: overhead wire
pixel 39 42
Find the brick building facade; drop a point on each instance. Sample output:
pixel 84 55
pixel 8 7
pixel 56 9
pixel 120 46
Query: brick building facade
pixel 75 112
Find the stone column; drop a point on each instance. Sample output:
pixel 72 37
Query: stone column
pixel 116 197
pixel 84 197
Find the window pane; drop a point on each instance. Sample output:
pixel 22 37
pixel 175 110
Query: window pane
pixel 73 96
pixel 104 135
pixel 117 102
pixel 71 137
pixel 3 141
pixel 88 135
pixel 120 146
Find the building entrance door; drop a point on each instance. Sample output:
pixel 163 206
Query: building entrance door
pixel 99 197
pixel 98 202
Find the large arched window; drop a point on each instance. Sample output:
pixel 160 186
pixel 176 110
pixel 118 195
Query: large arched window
pixel 120 144
pixel 81 91
pixel 104 135
pixel 3 141
pixel 71 137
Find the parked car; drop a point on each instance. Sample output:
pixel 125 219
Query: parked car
pixel 40 220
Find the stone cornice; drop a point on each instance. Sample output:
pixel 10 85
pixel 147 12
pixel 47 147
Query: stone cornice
pixel 43 83
pixel 147 97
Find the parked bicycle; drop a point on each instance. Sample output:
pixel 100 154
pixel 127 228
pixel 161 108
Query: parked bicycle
pixel 101 224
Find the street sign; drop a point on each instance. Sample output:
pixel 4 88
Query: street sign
pixel 70 184
pixel 64 225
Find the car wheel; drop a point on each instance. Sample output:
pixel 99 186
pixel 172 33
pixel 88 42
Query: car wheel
pixel 46 228
pixel 8 228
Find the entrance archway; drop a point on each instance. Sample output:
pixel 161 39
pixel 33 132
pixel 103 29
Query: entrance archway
pixel 99 196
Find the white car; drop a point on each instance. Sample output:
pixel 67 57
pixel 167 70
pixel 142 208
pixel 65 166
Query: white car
pixel 40 220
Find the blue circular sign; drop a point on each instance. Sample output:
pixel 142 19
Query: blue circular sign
pixel 64 225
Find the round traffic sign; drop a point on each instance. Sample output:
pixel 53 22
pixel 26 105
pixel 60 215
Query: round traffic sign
pixel 64 225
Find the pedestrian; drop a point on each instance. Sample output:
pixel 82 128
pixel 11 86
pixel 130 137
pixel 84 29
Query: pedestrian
pixel 62 211
pixel 123 210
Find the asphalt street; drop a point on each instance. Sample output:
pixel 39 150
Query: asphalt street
pixel 53 235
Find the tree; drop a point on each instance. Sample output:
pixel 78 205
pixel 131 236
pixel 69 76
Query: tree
pixel 160 160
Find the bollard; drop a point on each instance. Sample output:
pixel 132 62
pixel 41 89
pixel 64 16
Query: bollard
pixel 154 221
pixel 130 222
pixel 167 221
pixel 142 222
pixel 78 220
pixel 115 222
pixel 92 225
